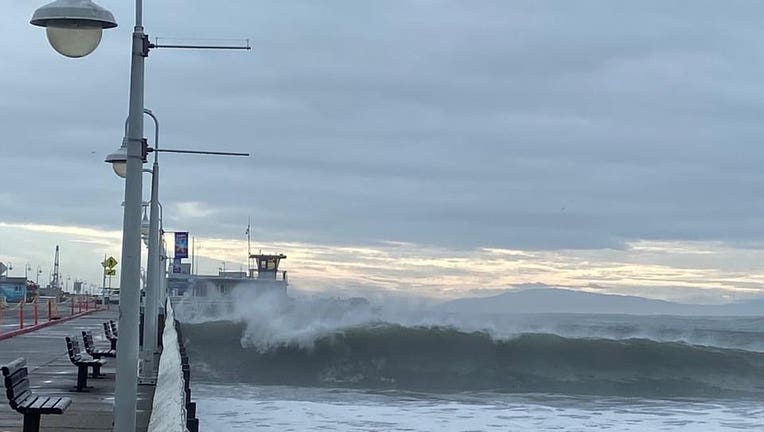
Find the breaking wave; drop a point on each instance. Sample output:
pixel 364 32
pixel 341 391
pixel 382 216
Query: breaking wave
pixel 441 359
pixel 272 339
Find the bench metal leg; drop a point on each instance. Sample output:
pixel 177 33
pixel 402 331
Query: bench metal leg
pixel 96 371
pixel 82 379
pixel 31 423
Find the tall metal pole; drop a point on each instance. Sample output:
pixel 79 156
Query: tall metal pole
pixel 103 285
pixel 126 385
pixel 152 271
pixel 249 248
pixel 162 274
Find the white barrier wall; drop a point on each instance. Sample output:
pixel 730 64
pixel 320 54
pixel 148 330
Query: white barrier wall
pixel 169 412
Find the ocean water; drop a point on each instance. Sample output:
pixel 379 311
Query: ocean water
pixel 271 364
pixel 277 408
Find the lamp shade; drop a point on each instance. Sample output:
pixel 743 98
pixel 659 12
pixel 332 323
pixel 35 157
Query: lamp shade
pixel 118 160
pixel 74 27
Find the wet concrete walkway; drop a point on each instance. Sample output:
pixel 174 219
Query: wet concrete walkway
pixel 51 373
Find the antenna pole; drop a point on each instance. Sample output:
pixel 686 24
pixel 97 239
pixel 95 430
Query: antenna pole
pixel 249 249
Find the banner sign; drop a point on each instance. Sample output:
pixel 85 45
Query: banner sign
pixel 176 266
pixel 181 245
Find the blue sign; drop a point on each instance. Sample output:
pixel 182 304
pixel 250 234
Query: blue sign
pixel 181 245
pixel 176 266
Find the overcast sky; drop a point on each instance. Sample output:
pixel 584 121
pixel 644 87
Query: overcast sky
pixel 617 143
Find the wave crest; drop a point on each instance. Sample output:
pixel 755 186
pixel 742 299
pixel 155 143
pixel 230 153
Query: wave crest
pixel 446 359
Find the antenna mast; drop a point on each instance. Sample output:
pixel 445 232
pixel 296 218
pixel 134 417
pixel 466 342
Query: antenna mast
pixel 54 283
pixel 249 251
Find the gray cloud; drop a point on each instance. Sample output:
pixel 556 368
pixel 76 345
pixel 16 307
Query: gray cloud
pixel 458 124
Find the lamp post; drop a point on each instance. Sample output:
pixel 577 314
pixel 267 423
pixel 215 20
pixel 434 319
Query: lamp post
pixel 74 29
pixel 152 296
pixel 150 234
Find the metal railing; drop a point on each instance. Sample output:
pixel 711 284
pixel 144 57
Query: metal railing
pixel 21 315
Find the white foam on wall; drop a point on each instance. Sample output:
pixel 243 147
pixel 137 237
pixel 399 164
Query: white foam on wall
pixel 169 412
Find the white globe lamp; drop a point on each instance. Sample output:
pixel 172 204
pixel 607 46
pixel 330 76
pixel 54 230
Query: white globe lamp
pixel 74 27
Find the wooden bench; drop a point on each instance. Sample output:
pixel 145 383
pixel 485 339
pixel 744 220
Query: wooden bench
pixel 83 363
pixel 109 335
pixel 90 348
pixel 113 328
pixel 21 398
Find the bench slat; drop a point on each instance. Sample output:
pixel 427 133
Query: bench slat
pixel 15 403
pixel 12 367
pixel 92 362
pixel 61 406
pixel 16 377
pixel 50 403
pixel 18 389
pixel 28 402
pixel 38 403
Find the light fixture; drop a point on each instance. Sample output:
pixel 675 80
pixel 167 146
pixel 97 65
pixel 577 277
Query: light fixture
pixel 118 160
pixel 74 27
pixel 145 228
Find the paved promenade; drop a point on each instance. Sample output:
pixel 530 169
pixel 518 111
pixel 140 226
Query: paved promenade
pixel 52 373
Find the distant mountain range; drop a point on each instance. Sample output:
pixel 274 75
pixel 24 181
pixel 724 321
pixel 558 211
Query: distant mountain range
pixel 556 300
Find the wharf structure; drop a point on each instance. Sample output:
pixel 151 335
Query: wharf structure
pixel 263 276
pixel 164 406
pixel 51 373
pixel 216 295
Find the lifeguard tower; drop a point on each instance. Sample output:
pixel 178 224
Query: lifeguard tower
pixel 267 268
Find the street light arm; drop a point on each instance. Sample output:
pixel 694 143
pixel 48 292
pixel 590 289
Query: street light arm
pixel 149 113
pixel 156 131
pixel 214 153
pixel 244 46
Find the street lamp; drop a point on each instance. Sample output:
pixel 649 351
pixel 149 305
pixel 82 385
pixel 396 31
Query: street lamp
pixel 118 159
pixel 74 27
pixel 150 235
pixel 74 30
